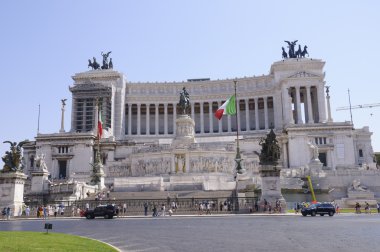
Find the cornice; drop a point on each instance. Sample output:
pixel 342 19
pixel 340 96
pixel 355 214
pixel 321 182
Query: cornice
pixel 319 127
pixel 97 74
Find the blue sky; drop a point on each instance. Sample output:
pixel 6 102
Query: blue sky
pixel 44 43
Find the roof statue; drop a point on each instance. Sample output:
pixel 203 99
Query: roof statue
pixel 270 151
pixel 292 53
pixel 106 65
pixel 13 158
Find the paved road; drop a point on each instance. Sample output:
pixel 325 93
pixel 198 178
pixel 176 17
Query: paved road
pixel 224 233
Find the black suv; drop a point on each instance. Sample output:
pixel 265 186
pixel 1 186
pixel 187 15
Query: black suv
pixel 106 211
pixel 319 208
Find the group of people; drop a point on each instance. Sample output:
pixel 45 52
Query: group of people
pixel 205 207
pixel 367 207
pixel 162 212
pixel 6 213
pixel 268 207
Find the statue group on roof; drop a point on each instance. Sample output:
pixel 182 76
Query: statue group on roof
pixel 106 64
pixel 292 53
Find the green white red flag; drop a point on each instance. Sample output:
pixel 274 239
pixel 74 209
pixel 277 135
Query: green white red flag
pixel 228 108
pixel 100 125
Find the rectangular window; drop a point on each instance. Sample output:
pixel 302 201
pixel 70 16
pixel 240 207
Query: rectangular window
pixel 360 153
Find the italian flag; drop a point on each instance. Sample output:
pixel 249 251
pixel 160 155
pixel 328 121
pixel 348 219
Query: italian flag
pixel 100 125
pixel 228 108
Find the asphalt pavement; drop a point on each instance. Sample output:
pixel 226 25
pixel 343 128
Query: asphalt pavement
pixel 258 232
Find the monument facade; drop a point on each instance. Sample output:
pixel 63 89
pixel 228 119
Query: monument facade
pixel 146 134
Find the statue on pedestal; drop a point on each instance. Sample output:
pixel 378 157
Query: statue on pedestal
pixel 40 163
pixel 314 151
pixel 13 159
pixel 184 100
pixel 270 152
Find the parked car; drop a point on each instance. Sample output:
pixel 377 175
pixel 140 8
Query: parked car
pixel 106 211
pixel 319 208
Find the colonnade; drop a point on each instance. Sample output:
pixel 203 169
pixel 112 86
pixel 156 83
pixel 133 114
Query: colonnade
pixel 255 113
pixel 312 98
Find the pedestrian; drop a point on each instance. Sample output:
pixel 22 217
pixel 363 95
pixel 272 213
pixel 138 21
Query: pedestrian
pixel 4 212
pixel 8 212
pixel 378 207
pixel 125 208
pixel 27 211
pixel 174 206
pixel 154 211
pixel 337 208
pixel 367 208
pixel 44 212
pixel 163 210
pixel 145 209
pixel 357 208
pixel 55 211
pixel 87 206
pixel 265 205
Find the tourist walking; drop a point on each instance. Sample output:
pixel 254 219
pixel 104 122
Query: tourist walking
pixel 163 208
pixel 378 207
pixel 45 212
pixel 124 208
pixel 357 208
pixel 367 208
pixel 27 211
pixel 8 212
pixel 145 209
pixel 155 213
pixel 4 212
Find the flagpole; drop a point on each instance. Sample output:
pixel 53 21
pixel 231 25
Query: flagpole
pixel 238 157
pixel 97 132
pixel 38 121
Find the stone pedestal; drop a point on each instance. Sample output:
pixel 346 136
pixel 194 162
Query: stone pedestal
pixel 100 174
pixel 12 191
pixel 39 181
pixel 359 197
pixel 184 131
pixel 271 186
pixel 315 167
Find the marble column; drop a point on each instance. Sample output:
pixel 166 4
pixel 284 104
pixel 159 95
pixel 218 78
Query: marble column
pixel 329 118
pixel 284 155
pixel 138 119
pixel 220 126
pixel 321 104
pixel 211 126
pixel 309 108
pixel 147 121
pixel 266 112
pixel 156 120
pixel 257 125
pixel 165 118
pixel 174 118
pixel 238 115
pixel 247 114
pixel 193 110
pixel 276 115
pixel 290 102
pixel 129 119
pixel 202 117
pixel 298 102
